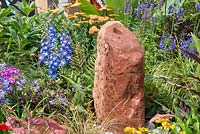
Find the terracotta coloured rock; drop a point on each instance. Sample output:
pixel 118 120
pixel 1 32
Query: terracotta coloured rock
pixel 119 78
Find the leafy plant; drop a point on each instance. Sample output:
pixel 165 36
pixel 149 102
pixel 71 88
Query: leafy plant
pixel 88 8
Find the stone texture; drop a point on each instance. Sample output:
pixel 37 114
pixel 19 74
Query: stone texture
pixel 119 78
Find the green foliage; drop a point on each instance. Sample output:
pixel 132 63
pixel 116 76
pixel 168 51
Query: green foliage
pixel 24 7
pixel 191 121
pixel 196 42
pixel 20 36
pixel 120 4
pixel 88 8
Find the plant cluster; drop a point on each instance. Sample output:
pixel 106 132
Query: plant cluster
pixel 64 48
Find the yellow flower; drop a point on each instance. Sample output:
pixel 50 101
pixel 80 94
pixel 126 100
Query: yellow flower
pixel 194 96
pixel 93 17
pixel 168 125
pixel 105 9
pixel 130 130
pixel 83 22
pixel 75 24
pixel 161 120
pixel 93 30
pixel 138 132
pixel 71 16
pixel 66 5
pixel 182 132
pixel 113 15
pixel 79 14
pixel 55 10
pixel 75 4
pixel 103 19
pixel 143 129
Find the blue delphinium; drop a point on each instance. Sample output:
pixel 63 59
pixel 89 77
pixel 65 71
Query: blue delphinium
pixel 56 51
pixel 65 49
pixel 167 40
pixel 47 44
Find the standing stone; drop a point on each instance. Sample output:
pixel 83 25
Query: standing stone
pixel 119 78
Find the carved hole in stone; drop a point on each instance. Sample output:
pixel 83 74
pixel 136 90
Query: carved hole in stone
pixel 117 31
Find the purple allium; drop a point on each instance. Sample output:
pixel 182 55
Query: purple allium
pixel 167 41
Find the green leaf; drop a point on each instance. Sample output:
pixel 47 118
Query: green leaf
pixel 196 42
pixel 4 12
pixel 88 8
pixel 115 4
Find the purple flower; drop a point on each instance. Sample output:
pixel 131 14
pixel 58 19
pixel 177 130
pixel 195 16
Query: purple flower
pixel 62 100
pixel 52 102
pixel 186 45
pixel 127 7
pixel 10 79
pixel 145 14
pixel 197 5
pixel 56 51
pixel 167 41
pixel 180 12
pixel 161 3
pixel 170 9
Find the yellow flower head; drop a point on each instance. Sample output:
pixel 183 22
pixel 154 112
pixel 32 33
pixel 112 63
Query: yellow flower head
pixel 138 132
pixel 71 16
pixel 143 129
pixel 130 130
pixel 161 120
pixel 103 19
pixel 194 96
pixel 93 17
pixel 83 22
pixel 55 10
pixel 75 24
pixel 66 5
pixel 168 125
pixel 113 15
pixel 75 4
pixel 79 14
pixel 182 132
pixel 93 30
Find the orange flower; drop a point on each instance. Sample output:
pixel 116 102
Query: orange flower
pixel 93 30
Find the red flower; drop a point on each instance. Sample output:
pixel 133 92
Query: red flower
pixel 3 126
